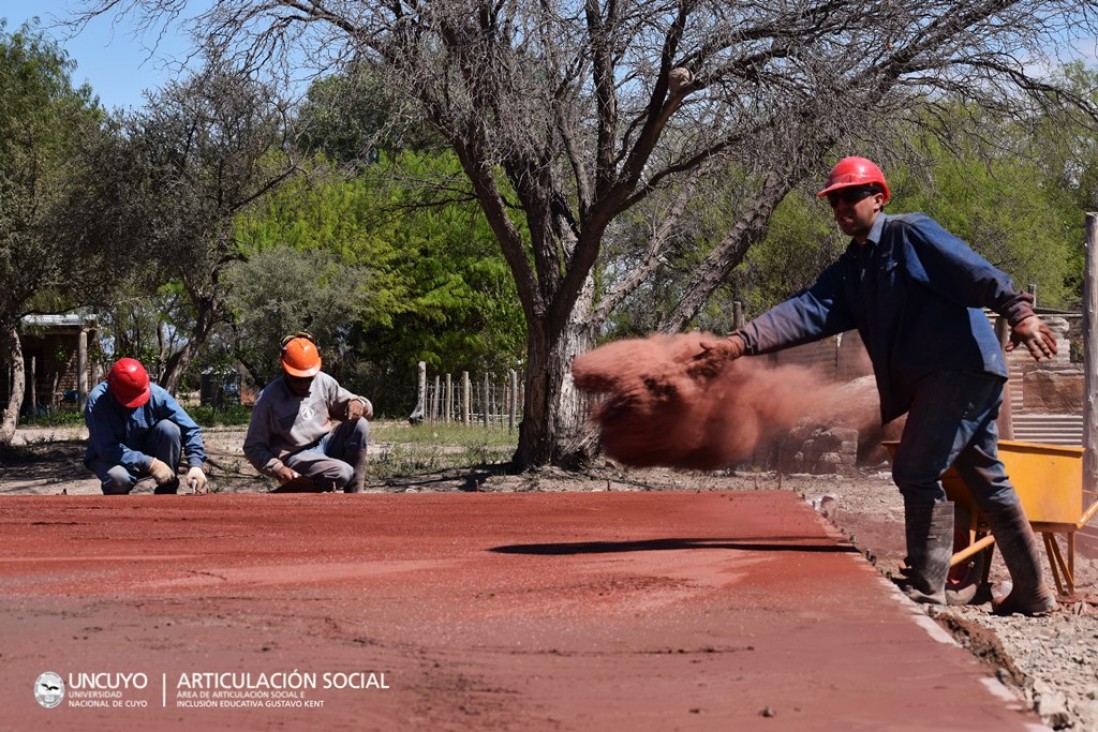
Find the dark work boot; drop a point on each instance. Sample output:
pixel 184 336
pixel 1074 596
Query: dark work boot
pixel 1018 545
pixel 358 478
pixel 929 529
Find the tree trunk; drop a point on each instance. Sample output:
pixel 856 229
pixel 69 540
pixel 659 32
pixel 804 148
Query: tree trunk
pixel 10 419
pixel 206 315
pixel 553 428
pixel 177 365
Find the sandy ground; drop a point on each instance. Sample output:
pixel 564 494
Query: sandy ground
pixel 1051 663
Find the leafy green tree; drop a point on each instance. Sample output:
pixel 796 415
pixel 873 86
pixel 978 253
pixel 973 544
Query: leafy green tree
pixel 181 170
pixel 420 278
pixel 1067 150
pixel 462 312
pixel 280 290
pixel 352 118
pixel 1003 202
pixel 45 124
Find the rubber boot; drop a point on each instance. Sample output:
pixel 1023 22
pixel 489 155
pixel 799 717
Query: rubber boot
pixel 929 529
pixel 358 478
pixel 1018 545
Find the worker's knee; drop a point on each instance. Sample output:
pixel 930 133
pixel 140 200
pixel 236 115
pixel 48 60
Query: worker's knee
pixel 346 474
pixel 917 484
pixel 167 429
pixel 117 482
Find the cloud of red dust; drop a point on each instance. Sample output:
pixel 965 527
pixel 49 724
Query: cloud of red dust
pixel 660 406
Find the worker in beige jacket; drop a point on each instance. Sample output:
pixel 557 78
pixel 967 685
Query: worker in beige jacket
pixel 292 436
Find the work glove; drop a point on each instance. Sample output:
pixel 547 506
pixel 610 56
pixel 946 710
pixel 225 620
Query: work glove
pixel 359 408
pixel 1035 335
pixel 160 472
pixel 715 354
pixel 197 480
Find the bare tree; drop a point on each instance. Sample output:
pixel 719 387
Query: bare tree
pixel 567 115
pixel 201 152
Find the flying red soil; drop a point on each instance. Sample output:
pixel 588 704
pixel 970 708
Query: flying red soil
pixel 662 403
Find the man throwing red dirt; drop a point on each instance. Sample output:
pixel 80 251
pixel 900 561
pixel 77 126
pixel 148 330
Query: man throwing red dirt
pixel 915 294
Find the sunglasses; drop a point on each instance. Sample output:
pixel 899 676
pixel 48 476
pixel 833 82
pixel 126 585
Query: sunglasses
pixel 852 195
pixel 302 380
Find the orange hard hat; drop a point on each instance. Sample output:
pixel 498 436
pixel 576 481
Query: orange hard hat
pixel 128 383
pixel 855 171
pixel 300 357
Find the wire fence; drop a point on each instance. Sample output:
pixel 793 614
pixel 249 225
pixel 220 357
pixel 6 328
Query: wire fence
pixel 488 400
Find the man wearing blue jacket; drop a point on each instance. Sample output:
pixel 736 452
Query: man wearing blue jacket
pixel 136 430
pixel 915 293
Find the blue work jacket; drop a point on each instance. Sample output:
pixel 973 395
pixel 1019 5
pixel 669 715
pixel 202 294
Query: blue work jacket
pixel 116 433
pixel 915 293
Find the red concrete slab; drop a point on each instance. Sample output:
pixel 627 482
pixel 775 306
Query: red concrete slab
pixel 536 611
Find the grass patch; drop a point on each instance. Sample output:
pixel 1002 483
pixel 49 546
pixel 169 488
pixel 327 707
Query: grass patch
pixel 60 418
pixel 427 448
pixel 230 416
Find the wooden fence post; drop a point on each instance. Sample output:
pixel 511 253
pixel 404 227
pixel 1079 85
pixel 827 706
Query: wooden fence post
pixel 512 406
pixel 485 400
pixel 1006 416
pixel 434 401
pixel 1090 356
pixel 82 369
pixel 466 396
pixel 34 390
pixel 420 412
pixel 448 407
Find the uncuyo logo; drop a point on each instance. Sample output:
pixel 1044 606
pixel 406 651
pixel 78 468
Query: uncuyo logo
pixel 49 689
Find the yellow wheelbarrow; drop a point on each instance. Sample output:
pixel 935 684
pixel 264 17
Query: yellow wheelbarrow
pixel 1049 483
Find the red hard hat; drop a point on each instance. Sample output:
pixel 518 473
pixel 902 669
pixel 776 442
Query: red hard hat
pixel 855 171
pixel 128 383
pixel 300 358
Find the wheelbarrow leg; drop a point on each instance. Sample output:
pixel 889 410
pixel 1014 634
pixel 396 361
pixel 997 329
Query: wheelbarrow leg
pixel 1050 550
pixel 1057 563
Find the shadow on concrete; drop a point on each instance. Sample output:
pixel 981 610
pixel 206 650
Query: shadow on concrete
pixel 649 545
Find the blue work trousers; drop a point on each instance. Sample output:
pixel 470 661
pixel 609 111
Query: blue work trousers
pixel 162 442
pixel 951 422
pixel 331 461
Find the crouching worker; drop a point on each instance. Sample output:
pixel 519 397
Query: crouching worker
pixel 292 437
pixel 137 431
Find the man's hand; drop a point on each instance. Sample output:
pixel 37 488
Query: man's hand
pixel 1036 336
pixel 715 354
pixel 160 472
pixel 359 408
pixel 196 479
pixel 726 349
pixel 285 474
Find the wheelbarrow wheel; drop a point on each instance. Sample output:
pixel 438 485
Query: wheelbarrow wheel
pixel 965 583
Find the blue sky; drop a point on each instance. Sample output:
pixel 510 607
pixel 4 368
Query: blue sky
pixel 112 55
